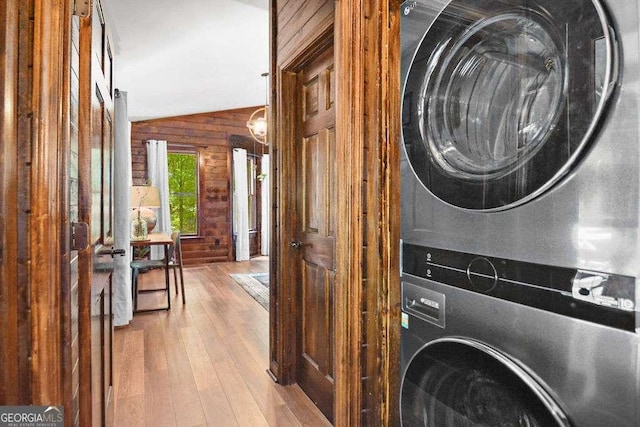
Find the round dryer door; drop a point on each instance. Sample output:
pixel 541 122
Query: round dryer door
pixel 504 97
pixel 455 382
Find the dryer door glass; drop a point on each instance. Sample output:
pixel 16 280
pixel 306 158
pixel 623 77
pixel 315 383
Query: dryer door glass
pixel 453 384
pixel 504 97
pixel 493 97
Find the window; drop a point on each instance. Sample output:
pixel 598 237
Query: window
pixel 183 191
pixel 252 166
pixel 253 194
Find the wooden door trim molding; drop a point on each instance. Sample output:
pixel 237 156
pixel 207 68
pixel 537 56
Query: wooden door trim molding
pixel 49 137
pixel 368 115
pixel 12 381
pixel 85 133
pixel 350 126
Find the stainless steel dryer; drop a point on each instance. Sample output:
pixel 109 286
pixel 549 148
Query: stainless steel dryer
pixel 520 129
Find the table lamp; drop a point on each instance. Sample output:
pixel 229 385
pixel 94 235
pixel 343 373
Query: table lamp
pixel 143 218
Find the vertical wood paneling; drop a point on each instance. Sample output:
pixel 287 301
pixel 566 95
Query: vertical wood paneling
pixel 209 133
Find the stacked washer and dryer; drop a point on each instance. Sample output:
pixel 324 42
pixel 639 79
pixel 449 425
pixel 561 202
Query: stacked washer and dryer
pixel 520 213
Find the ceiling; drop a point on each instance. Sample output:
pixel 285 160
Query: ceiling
pixel 178 57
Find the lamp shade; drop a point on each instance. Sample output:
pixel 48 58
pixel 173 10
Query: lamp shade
pixel 143 219
pixel 146 196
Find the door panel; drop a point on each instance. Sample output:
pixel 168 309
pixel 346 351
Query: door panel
pixel 95 178
pixel 316 209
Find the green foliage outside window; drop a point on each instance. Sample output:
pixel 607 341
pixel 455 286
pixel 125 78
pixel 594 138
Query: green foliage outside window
pixel 183 192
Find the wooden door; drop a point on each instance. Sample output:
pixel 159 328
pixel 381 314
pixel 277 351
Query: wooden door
pixel 316 209
pixel 95 180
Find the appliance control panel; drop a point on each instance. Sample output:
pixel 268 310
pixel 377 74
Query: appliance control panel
pixel 604 298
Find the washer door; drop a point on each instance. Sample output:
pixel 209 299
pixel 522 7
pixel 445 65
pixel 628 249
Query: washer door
pixel 456 382
pixel 503 96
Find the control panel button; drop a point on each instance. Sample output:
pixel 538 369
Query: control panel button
pixel 482 275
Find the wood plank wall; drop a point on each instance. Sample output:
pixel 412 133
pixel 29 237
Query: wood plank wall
pixel 296 22
pixel 209 133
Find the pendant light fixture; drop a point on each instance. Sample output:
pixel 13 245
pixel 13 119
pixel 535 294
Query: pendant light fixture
pixel 258 124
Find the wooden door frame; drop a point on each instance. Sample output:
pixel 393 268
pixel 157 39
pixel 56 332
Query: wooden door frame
pixel 287 259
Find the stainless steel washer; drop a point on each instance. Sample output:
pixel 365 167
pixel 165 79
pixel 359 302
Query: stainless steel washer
pixel 521 165
pixel 497 342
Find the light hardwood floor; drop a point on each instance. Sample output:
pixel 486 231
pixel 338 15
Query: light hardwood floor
pixel 204 363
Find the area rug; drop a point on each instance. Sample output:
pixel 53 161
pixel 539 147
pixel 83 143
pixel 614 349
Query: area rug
pixel 256 285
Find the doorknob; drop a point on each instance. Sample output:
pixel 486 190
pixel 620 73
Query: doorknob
pixel 296 245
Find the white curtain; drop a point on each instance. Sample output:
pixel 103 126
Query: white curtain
pixel 158 173
pixel 241 204
pixel 266 206
pixel 122 181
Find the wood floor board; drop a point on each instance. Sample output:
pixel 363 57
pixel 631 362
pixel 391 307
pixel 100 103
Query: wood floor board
pixel 187 404
pixel 203 363
pixel 203 371
pixel 131 412
pixel 217 409
pixel 213 342
pixel 154 344
pixel 240 398
pixel 178 367
pixel 132 366
pixel 159 409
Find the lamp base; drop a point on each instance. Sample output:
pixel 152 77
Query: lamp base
pixel 139 230
pixel 148 215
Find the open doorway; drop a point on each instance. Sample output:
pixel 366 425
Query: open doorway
pixel 194 74
pixel 251 222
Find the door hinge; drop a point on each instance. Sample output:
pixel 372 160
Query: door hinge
pixel 82 8
pixel 79 236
